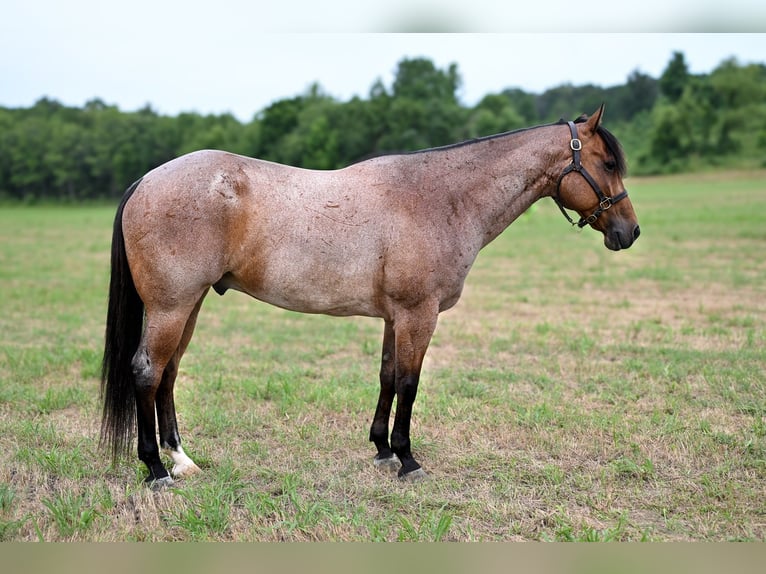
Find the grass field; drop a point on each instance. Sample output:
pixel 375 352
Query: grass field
pixel 573 393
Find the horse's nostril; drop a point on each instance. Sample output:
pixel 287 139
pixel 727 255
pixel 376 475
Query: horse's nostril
pixel 636 232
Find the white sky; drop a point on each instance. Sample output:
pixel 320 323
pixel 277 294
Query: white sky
pixel 238 56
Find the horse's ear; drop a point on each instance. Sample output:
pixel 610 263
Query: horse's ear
pixel 595 120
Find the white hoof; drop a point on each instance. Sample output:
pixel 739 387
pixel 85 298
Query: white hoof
pixel 182 464
pixel 186 469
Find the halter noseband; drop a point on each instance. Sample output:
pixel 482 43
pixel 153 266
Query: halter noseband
pixel 604 202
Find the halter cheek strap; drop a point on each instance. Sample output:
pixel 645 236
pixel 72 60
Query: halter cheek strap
pixel 604 202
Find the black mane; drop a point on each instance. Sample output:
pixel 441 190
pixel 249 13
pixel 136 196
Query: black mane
pixel 469 141
pixel 614 146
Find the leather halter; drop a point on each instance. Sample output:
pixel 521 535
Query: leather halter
pixel 604 202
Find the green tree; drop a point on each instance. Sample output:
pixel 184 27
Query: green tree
pixel 677 122
pixel 493 114
pixel 423 110
pixel 419 79
pixel 276 122
pixel 638 94
pixel 675 77
pixel 738 95
pixel 358 130
pixel 313 142
pixel 668 146
pixel 6 122
pixel 27 140
pixel 65 159
pixel 525 105
pixel 569 101
pixel 221 132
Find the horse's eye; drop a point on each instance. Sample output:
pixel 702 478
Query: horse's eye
pixel 609 165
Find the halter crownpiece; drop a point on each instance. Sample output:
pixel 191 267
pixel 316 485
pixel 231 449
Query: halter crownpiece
pixel 604 202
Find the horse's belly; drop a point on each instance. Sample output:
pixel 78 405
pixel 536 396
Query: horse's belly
pixel 326 301
pixel 328 293
pixel 324 306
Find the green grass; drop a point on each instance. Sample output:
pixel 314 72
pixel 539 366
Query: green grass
pixel 574 394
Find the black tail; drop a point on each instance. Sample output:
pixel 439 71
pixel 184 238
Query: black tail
pixel 124 323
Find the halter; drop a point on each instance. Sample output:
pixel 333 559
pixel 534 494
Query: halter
pixel 604 202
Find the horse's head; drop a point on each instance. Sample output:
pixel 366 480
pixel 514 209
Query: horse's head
pixel 592 184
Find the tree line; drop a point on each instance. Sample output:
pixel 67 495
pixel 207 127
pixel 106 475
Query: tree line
pixel 677 122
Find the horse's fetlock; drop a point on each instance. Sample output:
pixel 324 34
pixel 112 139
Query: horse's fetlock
pixel 399 443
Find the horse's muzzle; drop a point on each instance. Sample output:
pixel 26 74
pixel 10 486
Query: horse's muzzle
pixel 621 238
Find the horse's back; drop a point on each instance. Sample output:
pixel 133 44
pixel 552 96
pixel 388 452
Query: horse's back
pixel 343 242
pixel 295 238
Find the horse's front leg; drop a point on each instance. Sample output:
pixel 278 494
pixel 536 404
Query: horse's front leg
pixel 385 459
pixel 413 331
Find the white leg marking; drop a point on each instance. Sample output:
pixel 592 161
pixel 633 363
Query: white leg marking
pixel 182 464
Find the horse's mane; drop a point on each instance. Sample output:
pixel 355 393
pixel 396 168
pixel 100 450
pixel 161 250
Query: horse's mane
pixel 611 142
pixel 469 141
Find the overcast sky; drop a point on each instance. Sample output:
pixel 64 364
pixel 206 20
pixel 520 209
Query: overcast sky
pixel 237 56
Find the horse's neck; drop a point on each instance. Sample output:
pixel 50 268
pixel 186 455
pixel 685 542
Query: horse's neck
pixel 506 176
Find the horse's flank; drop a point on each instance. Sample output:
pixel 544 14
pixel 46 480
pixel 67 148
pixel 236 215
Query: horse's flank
pixel 362 240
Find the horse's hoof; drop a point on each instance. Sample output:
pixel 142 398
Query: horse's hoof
pixel 390 464
pixel 182 464
pixel 416 475
pixel 186 469
pixel 160 484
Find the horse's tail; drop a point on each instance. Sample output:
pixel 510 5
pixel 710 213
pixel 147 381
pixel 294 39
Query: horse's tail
pixel 124 324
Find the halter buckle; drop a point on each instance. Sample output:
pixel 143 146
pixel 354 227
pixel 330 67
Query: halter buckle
pixel 575 144
pixel 605 204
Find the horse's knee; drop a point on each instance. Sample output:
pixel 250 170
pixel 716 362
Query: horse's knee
pixel 400 441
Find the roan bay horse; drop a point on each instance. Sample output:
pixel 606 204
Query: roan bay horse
pixel 391 237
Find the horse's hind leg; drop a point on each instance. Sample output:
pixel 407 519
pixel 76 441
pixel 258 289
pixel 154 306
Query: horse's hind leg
pixel 162 335
pixel 170 440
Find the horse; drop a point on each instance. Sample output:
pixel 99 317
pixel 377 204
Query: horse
pixel 392 237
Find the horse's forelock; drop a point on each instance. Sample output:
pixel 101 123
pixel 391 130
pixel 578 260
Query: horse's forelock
pixel 611 142
pixel 615 148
